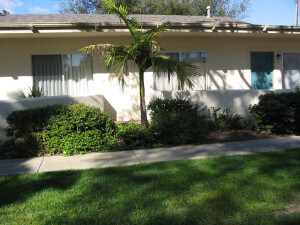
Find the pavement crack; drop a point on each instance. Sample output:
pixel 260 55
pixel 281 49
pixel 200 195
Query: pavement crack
pixel 40 165
pixel 135 157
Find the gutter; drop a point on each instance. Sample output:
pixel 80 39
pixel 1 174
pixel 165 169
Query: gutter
pixel 174 27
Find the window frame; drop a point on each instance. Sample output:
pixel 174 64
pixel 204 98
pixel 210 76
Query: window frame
pixel 282 67
pixel 180 59
pixel 62 62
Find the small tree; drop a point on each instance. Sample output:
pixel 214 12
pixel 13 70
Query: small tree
pixel 144 52
pixel 4 12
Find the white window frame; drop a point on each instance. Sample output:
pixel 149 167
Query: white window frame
pixel 62 62
pixel 180 59
pixel 282 74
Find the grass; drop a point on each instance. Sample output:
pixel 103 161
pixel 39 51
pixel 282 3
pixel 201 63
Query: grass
pixel 249 189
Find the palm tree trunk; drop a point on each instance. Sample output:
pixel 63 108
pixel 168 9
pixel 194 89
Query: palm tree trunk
pixel 143 108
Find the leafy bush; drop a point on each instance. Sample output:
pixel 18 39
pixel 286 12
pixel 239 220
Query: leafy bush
pixel 176 121
pixel 134 135
pixel 22 147
pixel 25 122
pixel 225 120
pixel 277 113
pixel 55 129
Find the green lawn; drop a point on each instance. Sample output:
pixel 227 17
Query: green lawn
pixel 249 189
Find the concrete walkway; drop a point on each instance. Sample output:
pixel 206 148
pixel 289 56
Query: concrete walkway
pixel 98 160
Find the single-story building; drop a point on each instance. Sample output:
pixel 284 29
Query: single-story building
pixel 43 50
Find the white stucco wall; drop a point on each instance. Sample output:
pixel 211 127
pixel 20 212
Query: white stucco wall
pixel 228 64
pixel 237 101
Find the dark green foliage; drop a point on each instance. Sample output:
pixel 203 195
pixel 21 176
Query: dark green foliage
pixel 53 129
pixel 23 122
pixel 225 120
pixel 232 8
pixel 176 121
pixel 277 113
pixel 134 135
pixel 22 147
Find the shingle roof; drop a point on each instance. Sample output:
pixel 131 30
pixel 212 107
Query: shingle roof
pixel 104 18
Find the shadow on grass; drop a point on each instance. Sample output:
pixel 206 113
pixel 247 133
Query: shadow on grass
pixel 221 190
pixel 20 188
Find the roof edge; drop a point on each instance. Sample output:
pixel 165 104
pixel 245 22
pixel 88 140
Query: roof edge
pixel 107 27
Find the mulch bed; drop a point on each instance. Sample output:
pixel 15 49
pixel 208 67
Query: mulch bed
pixel 236 135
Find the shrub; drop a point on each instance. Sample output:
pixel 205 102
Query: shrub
pixel 55 129
pixel 22 147
pixel 25 122
pixel 225 120
pixel 134 135
pixel 176 121
pixel 78 130
pixel 276 113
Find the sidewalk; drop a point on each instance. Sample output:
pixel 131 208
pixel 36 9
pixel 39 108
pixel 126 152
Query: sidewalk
pixel 98 160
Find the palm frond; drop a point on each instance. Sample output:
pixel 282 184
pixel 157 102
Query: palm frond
pixel 96 48
pixel 122 13
pixel 186 72
pixel 116 59
pixel 149 34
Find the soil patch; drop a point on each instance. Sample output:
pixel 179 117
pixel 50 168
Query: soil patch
pixel 292 208
pixel 236 135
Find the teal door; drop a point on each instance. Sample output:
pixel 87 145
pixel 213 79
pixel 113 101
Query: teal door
pixel 262 70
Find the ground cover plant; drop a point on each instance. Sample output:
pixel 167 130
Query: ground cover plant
pixel 249 189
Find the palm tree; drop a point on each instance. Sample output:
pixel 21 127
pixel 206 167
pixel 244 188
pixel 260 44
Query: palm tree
pixel 144 52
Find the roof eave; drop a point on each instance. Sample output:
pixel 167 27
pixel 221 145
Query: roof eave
pixel 174 27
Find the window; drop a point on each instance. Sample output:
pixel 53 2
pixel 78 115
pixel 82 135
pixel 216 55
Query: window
pixel 162 83
pixel 67 74
pixel 291 70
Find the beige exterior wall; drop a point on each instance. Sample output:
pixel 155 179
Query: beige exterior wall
pixel 228 64
pixel 237 101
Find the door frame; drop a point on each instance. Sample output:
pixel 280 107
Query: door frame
pixel 273 65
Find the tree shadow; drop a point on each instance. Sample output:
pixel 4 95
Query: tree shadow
pixel 17 189
pixel 218 191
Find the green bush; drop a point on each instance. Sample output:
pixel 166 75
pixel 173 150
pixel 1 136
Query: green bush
pixel 276 113
pixel 134 135
pixel 22 147
pixel 176 121
pixel 224 120
pixel 22 123
pixel 70 129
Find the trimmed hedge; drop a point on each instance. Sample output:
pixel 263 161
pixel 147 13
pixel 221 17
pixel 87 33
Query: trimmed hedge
pixel 68 129
pixel 133 135
pixel 176 121
pixel 277 113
